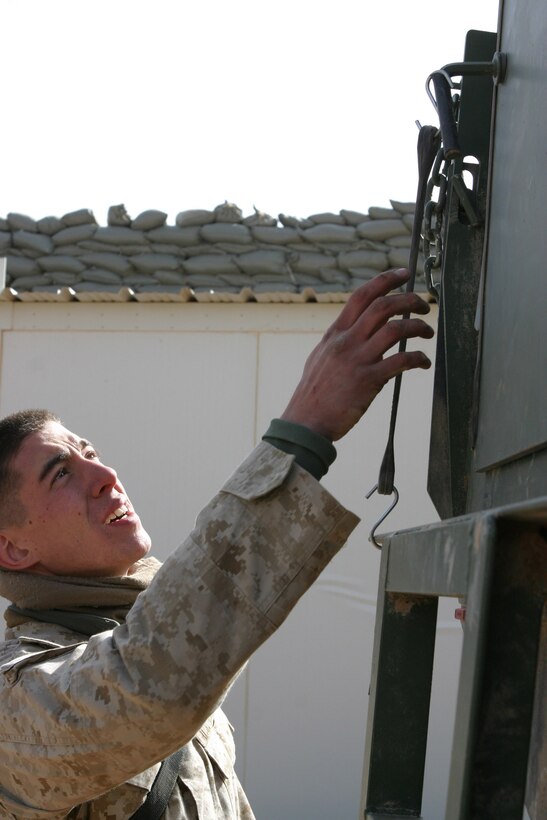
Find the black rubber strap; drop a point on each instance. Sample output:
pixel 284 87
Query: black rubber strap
pixel 445 110
pixel 162 788
pixel 428 144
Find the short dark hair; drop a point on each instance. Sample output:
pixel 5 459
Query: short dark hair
pixel 13 431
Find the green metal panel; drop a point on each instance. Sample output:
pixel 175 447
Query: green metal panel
pixel 430 561
pixel 399 703
pixel 477 602
pixel 498 765
pixel 513 393
pixel 457 339
pixel 489 422
pixel 497 561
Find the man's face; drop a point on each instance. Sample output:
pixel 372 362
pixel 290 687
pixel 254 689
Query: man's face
pixel 78 518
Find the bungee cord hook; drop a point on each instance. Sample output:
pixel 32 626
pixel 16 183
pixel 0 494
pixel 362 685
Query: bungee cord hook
pixel 428 144
pixel 372 535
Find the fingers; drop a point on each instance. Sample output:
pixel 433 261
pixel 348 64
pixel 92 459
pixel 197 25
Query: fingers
pixel 347 369
pixel 375 318
pixel 394 365
pixel 372 305
pixel 365 295
pixel 393 332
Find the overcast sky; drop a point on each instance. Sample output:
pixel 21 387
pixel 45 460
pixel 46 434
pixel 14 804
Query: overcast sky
pixel 294 106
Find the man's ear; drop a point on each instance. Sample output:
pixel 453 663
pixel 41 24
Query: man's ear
pixel 14 557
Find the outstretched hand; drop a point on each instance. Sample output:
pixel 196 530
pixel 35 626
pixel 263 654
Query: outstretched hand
pixel 347 369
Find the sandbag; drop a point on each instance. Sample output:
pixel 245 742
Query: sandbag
pixel 210 264
pixel 260 218
pixel 263 262
pixel 327 219
pixel 363 259
pixel 353 217
pixel 330 233
pixel 139 280
pixel 117 217
pixel 98 247
pixel 382 213
pixel 382 228
pixel 81 217
pixel 101 276
pixel 226 232
pixel 21 222
pixel 403 207
pixel 333 275
pixel 172 235
pixel 192 218
pixel 170 277
pixel 228 212
pixel 5 240
pixel 114 262
pixel 204 248
pixel 239 280
pixel 398 258
pixel 331 287
pixel 95 288
pixel 38 242
pixel 61 264
pixel 74 235
pixel 306 279
pixel 363 274
pixel 203 280
pixel 29 282
pixel 311 262
pixel 399 241
pixel 64 279
pixel 148 220
pixel 295 222
pixel 21 266
pixel 275 236
pixel 151 262
pixel 229 247
pixel 275 287
pixel 159 247
pixel 49 225
pixel 68 250
pixel 120 236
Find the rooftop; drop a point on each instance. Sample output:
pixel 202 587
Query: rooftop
pixel 206 256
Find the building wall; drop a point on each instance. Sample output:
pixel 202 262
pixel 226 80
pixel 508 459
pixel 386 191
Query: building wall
pixel 174 396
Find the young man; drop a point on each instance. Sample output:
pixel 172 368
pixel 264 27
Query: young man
pixel 114 663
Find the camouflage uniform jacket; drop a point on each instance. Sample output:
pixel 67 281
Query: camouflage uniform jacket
pixel 83 723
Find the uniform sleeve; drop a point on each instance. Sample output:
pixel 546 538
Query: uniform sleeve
pixel 113 707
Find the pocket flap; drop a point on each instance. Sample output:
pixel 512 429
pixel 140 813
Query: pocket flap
pixel 27 652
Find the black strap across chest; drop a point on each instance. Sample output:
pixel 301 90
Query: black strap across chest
pixel 162 789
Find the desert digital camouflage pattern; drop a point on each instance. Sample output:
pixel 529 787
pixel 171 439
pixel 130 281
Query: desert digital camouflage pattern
pixel 83 724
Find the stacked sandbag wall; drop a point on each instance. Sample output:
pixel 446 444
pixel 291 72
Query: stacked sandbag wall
pixel 218 250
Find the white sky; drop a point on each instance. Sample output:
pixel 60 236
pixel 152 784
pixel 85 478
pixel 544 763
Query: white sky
pixel 295 106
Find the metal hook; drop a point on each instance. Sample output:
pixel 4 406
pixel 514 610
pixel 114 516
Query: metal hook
pixel 372 535
pixel 448 79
